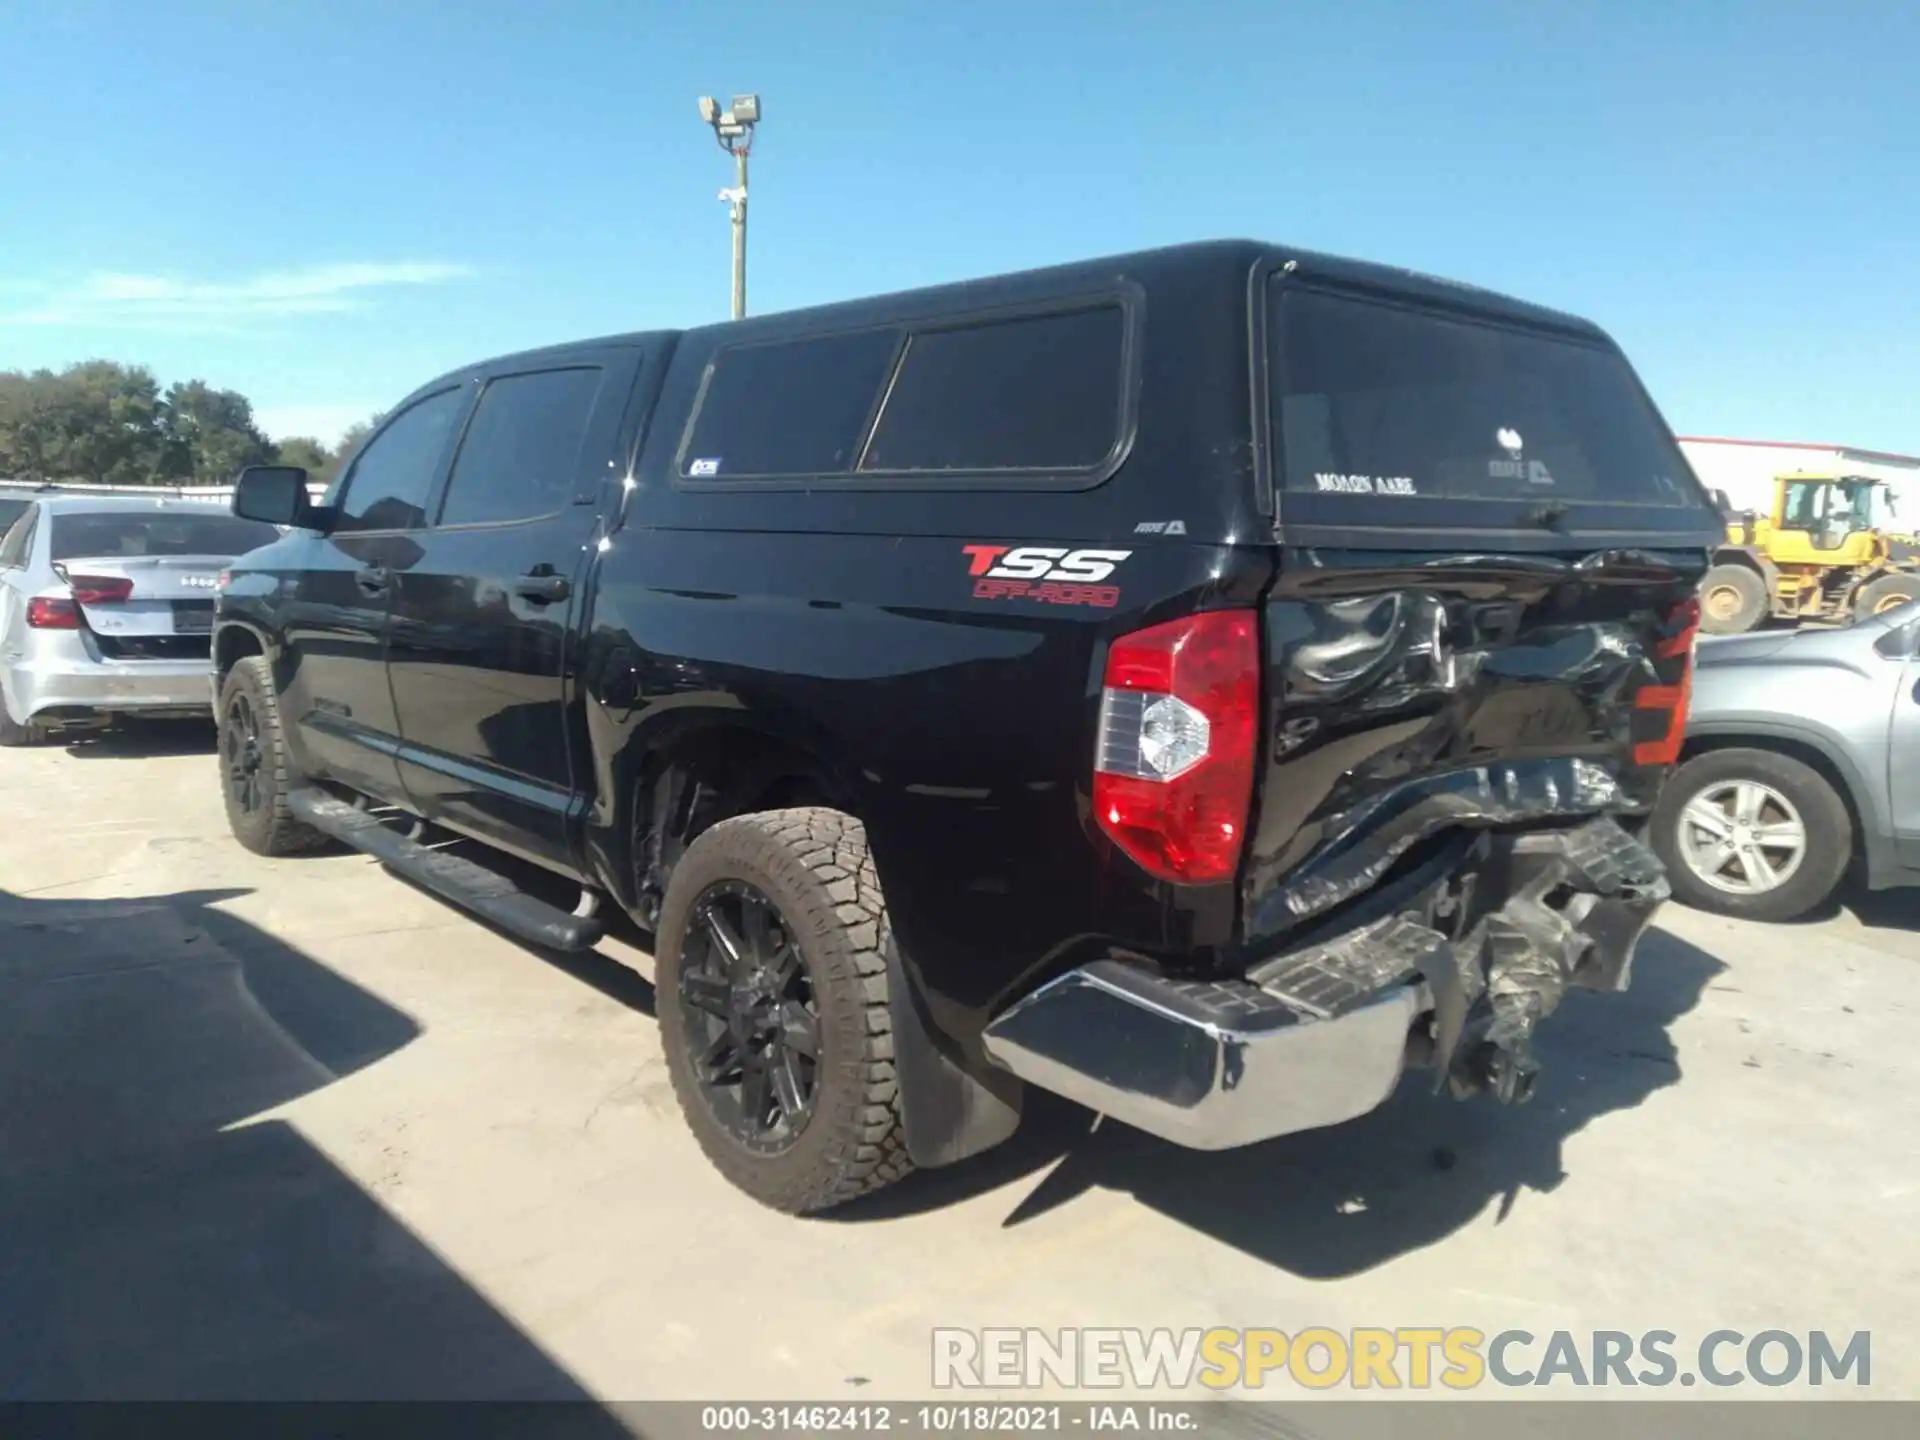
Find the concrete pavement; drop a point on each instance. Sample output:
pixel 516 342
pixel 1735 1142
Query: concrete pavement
pixel 293 1128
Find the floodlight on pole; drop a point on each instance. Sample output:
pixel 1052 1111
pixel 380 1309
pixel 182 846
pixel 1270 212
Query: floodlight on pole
pixel 733 129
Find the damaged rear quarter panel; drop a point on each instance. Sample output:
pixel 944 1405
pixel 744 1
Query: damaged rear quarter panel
pixel 1465 731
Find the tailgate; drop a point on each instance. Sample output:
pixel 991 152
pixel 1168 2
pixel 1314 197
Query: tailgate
pixel 1412 706
pixel 1481 621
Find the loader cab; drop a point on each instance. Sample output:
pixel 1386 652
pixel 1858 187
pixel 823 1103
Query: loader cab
pixel 1839 515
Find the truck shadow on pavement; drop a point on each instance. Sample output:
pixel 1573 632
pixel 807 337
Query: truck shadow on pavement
pixel 157 1247
pixel 1335 1202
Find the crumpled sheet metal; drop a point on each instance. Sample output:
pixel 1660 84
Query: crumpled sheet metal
pixel 1574 918
pixel 1576 903
pixel 1376 836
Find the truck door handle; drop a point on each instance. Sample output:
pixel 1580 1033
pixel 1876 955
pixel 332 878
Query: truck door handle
pixel 543 589
pixel 374 579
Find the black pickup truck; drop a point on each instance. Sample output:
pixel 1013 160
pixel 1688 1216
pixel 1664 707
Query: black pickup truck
pixel 1205 683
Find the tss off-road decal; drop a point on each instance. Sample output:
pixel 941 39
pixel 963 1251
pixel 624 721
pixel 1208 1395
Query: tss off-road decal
pixel 1051 574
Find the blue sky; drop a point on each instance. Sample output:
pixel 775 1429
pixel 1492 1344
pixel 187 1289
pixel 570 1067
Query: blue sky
pixel 324 205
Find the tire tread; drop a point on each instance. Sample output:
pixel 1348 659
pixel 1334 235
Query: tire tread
pixel 281 834
pixel 847 915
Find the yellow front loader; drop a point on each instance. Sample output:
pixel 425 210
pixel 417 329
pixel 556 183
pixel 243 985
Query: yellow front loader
pixel 1819 554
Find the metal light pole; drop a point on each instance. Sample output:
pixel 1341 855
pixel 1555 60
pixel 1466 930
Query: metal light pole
pixel 733 128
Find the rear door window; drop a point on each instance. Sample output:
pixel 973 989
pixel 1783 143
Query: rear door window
pixel 10 511
pixel 18 539
pixel 393 474
pixel 110 534
pixel 1042 392
pixel 521 451
pixel 796 407
pixel 1376 398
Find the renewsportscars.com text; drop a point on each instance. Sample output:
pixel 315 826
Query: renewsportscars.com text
pixel 1406 1357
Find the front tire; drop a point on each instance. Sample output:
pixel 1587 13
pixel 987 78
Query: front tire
pixel 255 772
pixel 771 973
pixel 1733 600
pixel 1878 596
pixel 1752 833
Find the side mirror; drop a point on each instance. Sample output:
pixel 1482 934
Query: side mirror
pixel 276 494
pixel 1897 643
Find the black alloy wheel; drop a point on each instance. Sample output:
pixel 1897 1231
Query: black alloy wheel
pixel 754 1028
pixel 240 754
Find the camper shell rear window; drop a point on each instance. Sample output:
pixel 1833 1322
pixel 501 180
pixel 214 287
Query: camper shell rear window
pixel 1399 401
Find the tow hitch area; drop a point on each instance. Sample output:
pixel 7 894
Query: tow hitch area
pixel 1575 904
pixel 1321 1034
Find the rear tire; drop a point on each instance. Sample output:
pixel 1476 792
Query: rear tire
pixel 1884 593
pixel 255 773
pixel 1697 810
pixel 1733 600
pixel 810 871
pixel 15 734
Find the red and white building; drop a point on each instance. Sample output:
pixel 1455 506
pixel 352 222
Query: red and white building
pixel 1745 470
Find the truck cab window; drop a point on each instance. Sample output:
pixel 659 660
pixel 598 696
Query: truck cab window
pixel 522 448
pixel 388 485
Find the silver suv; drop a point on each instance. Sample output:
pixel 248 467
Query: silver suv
pixel 1802 760
pixel 106 608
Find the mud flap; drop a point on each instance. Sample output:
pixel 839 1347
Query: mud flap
pixel 948 1111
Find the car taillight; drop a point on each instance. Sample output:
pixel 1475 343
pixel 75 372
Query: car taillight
pixel 52 612
pixel 100 589
pixel 1173 763
pixel 1660 709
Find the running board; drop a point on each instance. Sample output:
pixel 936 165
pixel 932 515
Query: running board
pixel 491 896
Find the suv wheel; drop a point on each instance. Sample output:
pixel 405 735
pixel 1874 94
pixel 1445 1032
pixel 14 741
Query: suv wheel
pixel 254 772
pixel 771 967
pixel 1752 833
pixel 14 732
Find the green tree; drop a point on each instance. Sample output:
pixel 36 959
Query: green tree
pixel 26 425
pixel 355 437
pixel 97 421
pixel 107 423
pixel 211 433
pixel 343 453
pixel 306 452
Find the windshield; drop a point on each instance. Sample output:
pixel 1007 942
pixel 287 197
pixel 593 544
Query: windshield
pixel 1379 398
pixel 128 533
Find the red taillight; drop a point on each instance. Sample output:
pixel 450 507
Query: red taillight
pixel 100 589
pixel 1173 764
pixel 52 612
pixel 1662 708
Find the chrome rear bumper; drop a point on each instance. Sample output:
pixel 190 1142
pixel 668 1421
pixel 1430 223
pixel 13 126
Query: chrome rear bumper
pixel 1321 1034
pixel 1205 1066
